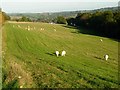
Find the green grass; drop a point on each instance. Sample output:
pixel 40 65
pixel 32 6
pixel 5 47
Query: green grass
pixel 30 54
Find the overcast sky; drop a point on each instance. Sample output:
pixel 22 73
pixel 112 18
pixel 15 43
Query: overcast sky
pixel 23 6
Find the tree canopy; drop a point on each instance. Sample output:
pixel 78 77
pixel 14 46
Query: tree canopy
pixel 106 23
pixel 24 19
pixel 61 20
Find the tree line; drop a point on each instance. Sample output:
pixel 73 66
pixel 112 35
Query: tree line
pixel 22 19
pixel 105 23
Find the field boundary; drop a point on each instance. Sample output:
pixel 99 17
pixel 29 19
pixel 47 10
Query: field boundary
pixel 0 57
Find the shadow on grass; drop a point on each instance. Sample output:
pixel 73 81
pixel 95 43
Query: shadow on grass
pixel 12 84
pixel 98 58
pixel 84 30
pixel 88 31
pixel 70 27
pixel 51 54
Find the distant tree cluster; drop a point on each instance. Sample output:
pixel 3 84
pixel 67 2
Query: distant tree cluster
pixel 61 20
pixel 106 23
pixel 43 20
pixel 23 19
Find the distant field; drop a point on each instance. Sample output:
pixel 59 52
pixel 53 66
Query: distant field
pixel 29 60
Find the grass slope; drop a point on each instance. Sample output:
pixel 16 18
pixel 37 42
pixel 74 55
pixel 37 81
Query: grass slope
pixel 30 54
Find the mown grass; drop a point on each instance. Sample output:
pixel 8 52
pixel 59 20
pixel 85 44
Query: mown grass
pixel 30 54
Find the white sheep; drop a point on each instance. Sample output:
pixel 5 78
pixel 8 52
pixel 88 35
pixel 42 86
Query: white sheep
pixel 106 57
pixel 19 26
pixel 28 29
pixel 63 53
pixel 57 53
pixel 51 23
pixel 19 77
pixel 54 29
pixel 21 86
pixel 101 40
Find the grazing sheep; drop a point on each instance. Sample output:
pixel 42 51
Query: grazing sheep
pixel 106 57
pixel 63 53
pixel 51 23
pixel 19 77
pixel 57 53
pixel 54 29
pixel 28 29
pixel 19 26
pixel 101 40
pixel 42 29
pixel 21 86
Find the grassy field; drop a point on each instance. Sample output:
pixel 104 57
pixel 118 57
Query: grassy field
pixel 29 60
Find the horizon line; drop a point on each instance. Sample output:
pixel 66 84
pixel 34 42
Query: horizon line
pixel 65 10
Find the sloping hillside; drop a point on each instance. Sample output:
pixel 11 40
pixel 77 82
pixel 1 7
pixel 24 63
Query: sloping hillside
pixel 29 60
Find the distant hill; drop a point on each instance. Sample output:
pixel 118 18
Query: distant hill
pixel 41 16
pixel 53 15
pixel 113 9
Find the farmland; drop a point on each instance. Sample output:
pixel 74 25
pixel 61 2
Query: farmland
pixel 29 60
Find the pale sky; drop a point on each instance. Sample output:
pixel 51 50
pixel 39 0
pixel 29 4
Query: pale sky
pixel 38 6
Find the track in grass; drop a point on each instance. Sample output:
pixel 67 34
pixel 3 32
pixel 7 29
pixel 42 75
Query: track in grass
pixel 30 54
